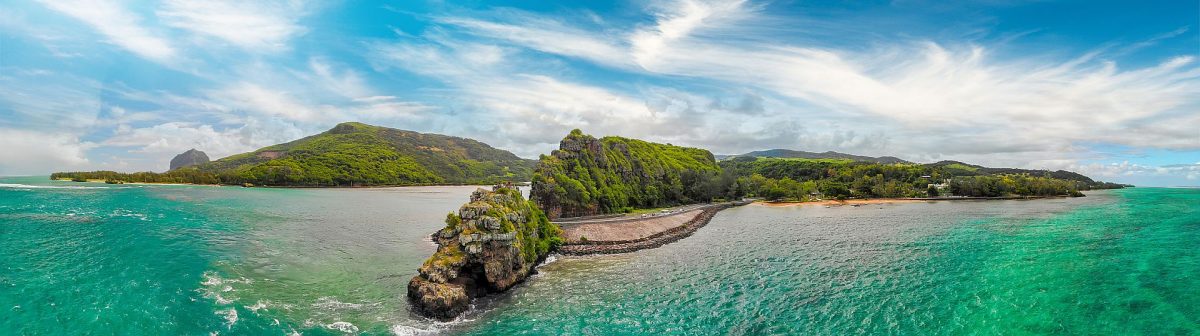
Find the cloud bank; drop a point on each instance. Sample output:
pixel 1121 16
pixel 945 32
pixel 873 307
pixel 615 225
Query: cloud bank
pixel 730 76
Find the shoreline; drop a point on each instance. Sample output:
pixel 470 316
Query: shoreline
pixel 869 201
pixel 658 239
pixel 289 187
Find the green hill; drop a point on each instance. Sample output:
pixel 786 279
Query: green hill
pixel 795 154
pixel 778 178
pixel 588 176
pixel 351 154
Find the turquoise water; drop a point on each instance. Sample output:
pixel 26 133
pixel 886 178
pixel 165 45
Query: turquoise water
pixel 86 258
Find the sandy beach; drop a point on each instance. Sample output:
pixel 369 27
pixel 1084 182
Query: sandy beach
pixel 846 202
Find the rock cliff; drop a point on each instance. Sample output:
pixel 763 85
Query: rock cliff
pixel 587 176
pixel 490 245
pixel 192 157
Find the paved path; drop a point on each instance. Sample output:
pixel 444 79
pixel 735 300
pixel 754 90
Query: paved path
pixel 625 228
pixel 639 234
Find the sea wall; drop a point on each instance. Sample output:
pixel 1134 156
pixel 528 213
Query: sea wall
pixel 651 241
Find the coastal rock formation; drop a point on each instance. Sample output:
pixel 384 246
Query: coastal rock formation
pixel 192 157
pixel 490 245
pixel 588 176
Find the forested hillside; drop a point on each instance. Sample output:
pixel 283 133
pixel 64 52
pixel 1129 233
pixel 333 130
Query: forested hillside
pixel 350 154
pixel 588 176
pixel 800 179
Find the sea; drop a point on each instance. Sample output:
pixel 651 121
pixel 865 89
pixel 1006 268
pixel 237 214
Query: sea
pixel 98 259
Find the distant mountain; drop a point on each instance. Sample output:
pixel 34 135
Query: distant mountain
pixel 192 157
pixel 359 154
pixel 961 168
pixel 795 154
pixel 350 154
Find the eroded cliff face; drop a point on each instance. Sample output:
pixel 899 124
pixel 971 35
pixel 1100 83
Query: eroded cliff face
pixel 490 245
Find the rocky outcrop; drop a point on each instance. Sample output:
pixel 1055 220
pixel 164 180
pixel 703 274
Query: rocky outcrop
pixel 490 245
pixel 192 157
pixel 587 176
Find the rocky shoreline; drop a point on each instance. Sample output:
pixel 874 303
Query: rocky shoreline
pixel 491 244
pixel 496 240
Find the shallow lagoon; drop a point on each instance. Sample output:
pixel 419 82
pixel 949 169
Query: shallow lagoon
pixel 141 259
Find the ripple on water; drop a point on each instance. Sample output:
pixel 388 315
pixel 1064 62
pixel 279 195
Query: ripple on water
pixel 921 268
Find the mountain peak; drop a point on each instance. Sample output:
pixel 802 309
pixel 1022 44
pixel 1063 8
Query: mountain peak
pixel 788 153
pixel 189 158
pixel 350 127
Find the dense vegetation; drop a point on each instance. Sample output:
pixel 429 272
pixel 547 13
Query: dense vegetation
pixel 491 244
pixel 588 176
pixel 795 154
pixel 534 237
pixel 350 154
pixel 804 179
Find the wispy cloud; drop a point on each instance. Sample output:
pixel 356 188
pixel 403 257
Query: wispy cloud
pixel 730 76
pixel 550 36
pixel 119 26
pixel 258 26
pixel 955 90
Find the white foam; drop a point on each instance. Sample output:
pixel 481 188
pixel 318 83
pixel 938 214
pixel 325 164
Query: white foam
pixel 403 330
pixel 345 327
pixel 259 306
pixel 27 186
pixel 231 316
pixel 331 303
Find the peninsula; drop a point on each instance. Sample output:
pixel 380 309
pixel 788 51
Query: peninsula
pixel 589 186
pixel 590 196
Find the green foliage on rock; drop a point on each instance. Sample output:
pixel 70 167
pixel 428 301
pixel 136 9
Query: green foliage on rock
pixel 491 244
pixel 350 154
pixel 588 176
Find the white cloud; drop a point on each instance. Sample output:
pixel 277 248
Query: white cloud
pixel 549 36
pixel 320 94
pixel 926 99
pixel 48 99
pixel 529 113
pixel 121 26
pixel 252 25
pixel 677 20
pixel 33 153
pixel 175 137
pixel 1159 175
pixel 253 97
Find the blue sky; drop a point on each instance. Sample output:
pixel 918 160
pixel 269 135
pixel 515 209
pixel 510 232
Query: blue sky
pixel 1109 89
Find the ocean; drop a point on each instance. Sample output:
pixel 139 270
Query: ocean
pixel 90 258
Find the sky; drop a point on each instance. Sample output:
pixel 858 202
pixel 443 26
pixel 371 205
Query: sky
pixel 1105 88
